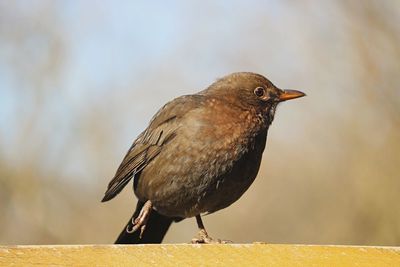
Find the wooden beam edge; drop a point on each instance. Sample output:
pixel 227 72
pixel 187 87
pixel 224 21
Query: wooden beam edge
pixel 257 254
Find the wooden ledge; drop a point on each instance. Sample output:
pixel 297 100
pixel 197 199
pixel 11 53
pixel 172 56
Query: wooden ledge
pixel 196 255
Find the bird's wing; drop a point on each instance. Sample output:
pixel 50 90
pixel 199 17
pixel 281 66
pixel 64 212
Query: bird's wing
pixel 149 143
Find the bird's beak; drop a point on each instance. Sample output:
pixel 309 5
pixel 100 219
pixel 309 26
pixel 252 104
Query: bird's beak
pixel 290 94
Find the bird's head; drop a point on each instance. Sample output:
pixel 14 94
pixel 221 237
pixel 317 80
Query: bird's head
pixel 251 90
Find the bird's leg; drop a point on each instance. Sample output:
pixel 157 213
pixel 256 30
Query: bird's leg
pixel 140 221
pixel 203 237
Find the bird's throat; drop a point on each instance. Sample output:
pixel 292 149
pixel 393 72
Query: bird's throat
pixel 269 113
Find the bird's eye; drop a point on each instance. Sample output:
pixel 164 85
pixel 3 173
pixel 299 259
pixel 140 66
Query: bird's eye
pixel 259 91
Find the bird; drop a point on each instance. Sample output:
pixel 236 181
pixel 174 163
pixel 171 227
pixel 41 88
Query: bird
pixel 198 155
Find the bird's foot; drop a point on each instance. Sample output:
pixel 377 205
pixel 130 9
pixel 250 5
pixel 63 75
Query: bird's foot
pixel 140 221
pixel 203 238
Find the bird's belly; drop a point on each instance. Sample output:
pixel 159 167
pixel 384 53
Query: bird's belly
pixel 228 188
pixel 194 182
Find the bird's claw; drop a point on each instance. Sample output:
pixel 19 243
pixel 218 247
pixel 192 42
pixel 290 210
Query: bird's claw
pixel 140 221
pixel 204 238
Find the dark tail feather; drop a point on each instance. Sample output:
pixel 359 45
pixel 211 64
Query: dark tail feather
pixel 156 228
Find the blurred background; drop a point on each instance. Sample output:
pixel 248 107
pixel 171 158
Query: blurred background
pixel 79 80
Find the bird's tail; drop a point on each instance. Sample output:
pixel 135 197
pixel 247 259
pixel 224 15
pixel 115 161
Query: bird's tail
pixel 156 228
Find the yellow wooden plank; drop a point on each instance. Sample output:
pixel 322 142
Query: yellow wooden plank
pixel 199 255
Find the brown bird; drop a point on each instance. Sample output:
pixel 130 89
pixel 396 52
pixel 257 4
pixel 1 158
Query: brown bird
pixel 199 154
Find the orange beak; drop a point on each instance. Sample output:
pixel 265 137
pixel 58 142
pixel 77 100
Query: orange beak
pixel 290 94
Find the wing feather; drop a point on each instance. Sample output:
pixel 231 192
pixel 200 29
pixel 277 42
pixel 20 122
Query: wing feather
pixel 149 144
